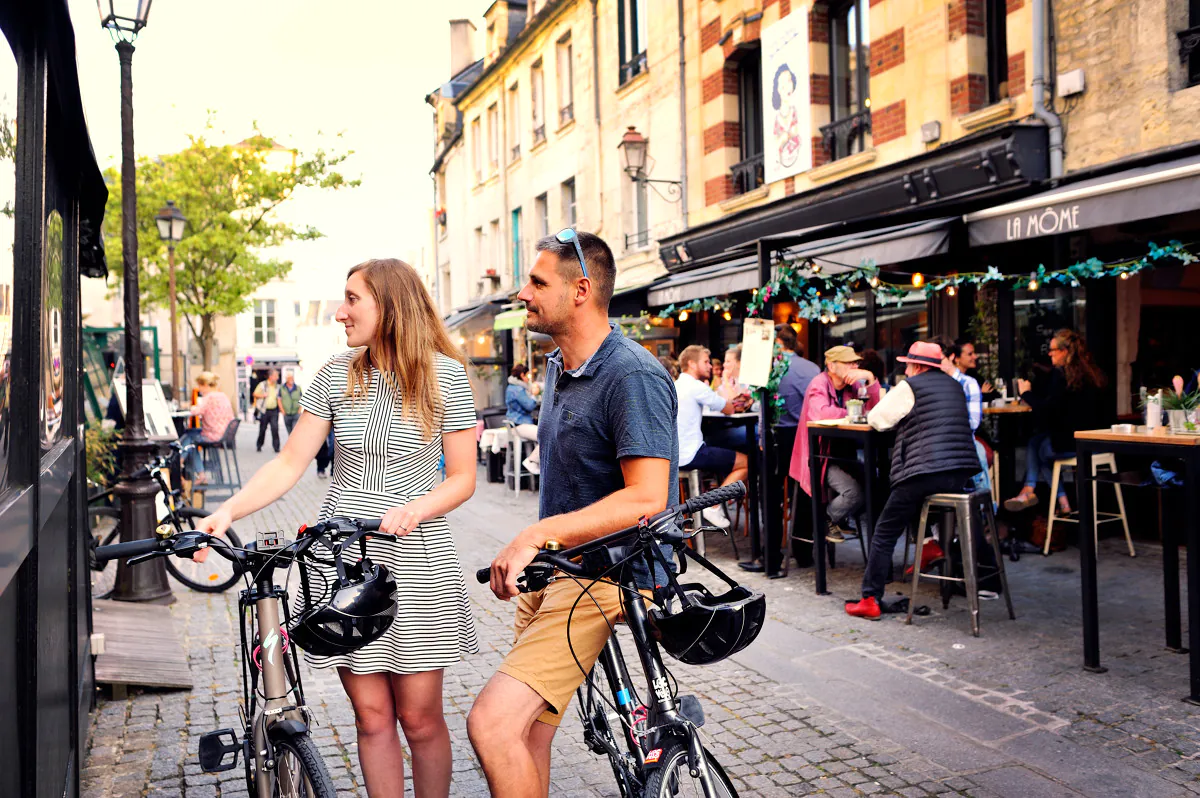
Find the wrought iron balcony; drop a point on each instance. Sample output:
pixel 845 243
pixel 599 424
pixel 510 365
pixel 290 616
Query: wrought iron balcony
pixel 748 175
pixel 516 153
pixel 638 239
pixel 566 114
pixel 539 135
pixel 633 67
pixel 847 135
pixel 1189 49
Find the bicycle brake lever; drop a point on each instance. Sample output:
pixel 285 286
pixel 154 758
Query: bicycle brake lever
pixel 143 557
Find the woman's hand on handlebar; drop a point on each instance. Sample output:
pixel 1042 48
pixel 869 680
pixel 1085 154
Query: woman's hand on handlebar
pixel 215 524
pixel 509 564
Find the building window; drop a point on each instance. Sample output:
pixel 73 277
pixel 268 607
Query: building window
pixel 639 236
pixel 314 313
pixel 566 81
pixel 997 50
pixel 517 244
pixel 849 79
pixel 537 92
pixel 748 173
pixel 480 253
pixel 568 202
pixel 497 252
pixel 264 321
pixel 541 215
pixel 1189 45
pixel 476 149
pixel 514 122
pixel 631 28
pixel 493 115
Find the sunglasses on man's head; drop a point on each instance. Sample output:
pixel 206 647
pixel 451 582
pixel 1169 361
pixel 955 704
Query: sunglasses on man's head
pixel 567 234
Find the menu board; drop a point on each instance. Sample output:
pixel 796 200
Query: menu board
pixel 758 347
pixel 155 410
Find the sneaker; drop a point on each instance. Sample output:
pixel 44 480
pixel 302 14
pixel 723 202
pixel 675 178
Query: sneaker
pixel 988 595
pixel 532 466
pixel 1018 503
pixel 836 533
pixel 716 516
pixel 867 608
pixel 931 554
pixel 320 475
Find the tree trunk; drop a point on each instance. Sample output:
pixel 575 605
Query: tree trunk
pixel 206 340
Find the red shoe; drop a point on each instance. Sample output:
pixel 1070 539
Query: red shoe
pixel 867 608
pixel 931 553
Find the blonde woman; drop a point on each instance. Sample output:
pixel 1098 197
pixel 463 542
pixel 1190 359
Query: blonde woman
pixel 396 402
pixel 215 412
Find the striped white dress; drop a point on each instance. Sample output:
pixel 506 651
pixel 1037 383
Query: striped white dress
pixel 383 461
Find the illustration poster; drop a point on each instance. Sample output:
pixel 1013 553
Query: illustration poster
pixel 787 121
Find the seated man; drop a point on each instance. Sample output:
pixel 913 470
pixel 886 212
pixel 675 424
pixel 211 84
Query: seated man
pixel 934 453
pixel 695 371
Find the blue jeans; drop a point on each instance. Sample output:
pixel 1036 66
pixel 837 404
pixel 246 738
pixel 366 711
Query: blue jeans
pixel 982 480
pixel 195 461
pixel 1039 462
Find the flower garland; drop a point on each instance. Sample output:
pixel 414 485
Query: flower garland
pixel 696 306
pixel 779 367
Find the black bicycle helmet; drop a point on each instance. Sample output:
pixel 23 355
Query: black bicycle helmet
pixel 707 628
pixel 361 607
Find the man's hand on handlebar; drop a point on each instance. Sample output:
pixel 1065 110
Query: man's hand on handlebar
pixel 509 564
pixel 215 524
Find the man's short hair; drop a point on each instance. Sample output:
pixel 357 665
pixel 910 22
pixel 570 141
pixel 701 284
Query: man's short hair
pixel 787 336
pixel 950 349
pixel 601 267
pixel 690 355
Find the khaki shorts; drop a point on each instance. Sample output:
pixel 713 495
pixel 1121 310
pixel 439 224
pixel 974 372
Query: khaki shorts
pixel 541 657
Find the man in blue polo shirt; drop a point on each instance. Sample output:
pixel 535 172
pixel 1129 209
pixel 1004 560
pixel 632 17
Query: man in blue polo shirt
pixel 609 455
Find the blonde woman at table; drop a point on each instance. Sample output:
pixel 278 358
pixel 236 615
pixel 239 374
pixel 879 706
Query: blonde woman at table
pixel 1067 401
pixel 215 412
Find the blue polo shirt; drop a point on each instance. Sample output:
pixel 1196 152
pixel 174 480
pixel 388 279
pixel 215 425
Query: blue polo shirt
pixel 620 403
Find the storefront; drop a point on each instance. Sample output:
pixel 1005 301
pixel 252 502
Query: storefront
pixel 50 181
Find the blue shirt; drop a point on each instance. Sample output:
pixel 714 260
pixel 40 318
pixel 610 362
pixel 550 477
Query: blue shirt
pixel 518 402
pixel 619 403
pixel 970 387
pixel 792 387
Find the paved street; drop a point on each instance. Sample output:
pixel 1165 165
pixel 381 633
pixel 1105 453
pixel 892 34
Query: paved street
pixel 820 704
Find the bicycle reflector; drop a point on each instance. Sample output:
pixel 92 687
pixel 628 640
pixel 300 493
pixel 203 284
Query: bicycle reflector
pixel 361 607
pixel 707 628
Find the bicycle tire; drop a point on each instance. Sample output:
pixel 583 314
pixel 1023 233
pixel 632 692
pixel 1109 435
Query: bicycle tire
pixel 187 573
pixel 109 535
pixel 315 783
pixel 665 782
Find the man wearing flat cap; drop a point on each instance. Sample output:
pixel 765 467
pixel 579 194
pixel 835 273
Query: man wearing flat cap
pixel 826 398
pixel 934 453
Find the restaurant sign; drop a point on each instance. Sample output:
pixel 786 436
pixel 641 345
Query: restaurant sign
pixel 1047 222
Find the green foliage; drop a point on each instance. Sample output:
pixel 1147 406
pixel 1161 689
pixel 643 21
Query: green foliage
pixel 100 448
pixel 1180 401
pixel 230 195
pixel 984 331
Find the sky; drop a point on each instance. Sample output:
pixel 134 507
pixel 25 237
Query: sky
pixel 305 71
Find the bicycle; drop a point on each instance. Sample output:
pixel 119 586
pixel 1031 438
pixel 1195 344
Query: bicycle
pixel 215 575
pixel 655 750
pixel 280 758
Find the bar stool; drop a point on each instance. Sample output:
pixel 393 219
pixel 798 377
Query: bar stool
pixel 967 507
pixel 691 484
pixel 1107 459
pixel 517 453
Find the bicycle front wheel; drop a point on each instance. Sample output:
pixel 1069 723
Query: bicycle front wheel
pixel 299 770
pixel 104 523
pixel 673 778
pixel 216 574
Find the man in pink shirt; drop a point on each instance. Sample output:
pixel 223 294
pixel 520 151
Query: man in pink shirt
pixel 826 398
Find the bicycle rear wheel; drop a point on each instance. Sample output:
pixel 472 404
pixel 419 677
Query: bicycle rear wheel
pixel 216 574
pixel 673 779
pixel 299 771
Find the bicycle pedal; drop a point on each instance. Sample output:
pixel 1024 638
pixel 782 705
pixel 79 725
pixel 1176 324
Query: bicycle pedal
pixel 689 707
pixel 213 750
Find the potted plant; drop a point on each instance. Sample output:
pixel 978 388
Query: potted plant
pixel 1180 406
pixel 100 446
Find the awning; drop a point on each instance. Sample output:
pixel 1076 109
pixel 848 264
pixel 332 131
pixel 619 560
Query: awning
pixel 460 317
pixel 884 246
pixel 510 319
pixel 739 274
pixel 1143 193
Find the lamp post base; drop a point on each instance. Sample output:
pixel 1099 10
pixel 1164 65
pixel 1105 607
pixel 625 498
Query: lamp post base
pixel 145 581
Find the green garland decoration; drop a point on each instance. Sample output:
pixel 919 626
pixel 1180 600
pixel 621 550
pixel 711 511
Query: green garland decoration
pixel 779 367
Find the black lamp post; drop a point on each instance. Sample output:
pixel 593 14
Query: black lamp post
pixel 633 148
pixel 124 19
pixel 171 221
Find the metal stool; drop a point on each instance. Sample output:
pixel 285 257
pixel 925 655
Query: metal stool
pixel 691 478
pixel 516 456
pixel 966 507
pixel 1107 459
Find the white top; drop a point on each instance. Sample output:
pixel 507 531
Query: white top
pixel 892 408
pixel 694 398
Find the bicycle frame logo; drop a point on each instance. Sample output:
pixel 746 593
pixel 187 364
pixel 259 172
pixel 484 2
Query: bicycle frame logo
pixel 269 645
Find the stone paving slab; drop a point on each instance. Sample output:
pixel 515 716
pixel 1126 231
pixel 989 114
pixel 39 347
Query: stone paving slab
pixel 821 704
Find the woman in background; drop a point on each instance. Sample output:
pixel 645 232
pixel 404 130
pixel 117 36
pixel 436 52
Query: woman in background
pixel 215 412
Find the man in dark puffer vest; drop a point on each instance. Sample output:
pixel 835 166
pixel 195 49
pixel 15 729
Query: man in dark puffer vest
pixel 934 453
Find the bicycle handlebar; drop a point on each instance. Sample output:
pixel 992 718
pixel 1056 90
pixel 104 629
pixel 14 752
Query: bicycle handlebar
pixel 562 559
pixel 131 548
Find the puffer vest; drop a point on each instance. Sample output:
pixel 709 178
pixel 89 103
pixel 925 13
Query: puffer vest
pixel 936 435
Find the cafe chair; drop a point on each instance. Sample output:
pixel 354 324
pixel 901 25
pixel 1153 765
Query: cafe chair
pixel 1108 460
pixel 518 449
pixel 221 463
pixel 969 510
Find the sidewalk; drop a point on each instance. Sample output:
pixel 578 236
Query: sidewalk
pixel 820 704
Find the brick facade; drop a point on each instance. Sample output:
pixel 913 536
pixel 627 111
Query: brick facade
pixel 718 189
pixel 718 83
pixel 967 18
pixel 724 134
pixel 818 24
pixel 819 156
pixel 710 34
pixel 1016 74
pixel 1014 5
pixel 968 93
pixel 887 52
pixel 888 123
pixel 818 88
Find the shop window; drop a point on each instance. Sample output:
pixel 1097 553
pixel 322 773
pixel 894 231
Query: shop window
pixel 850 329
pixel 849 79
pixel 748 173
pixel 1037 315
pixel 8 195
pixel 899 326
pixel 631 28
pixel 264 321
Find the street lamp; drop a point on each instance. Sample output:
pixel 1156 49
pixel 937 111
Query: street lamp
pixel 171 221
pixel 633 149
pixel 124 19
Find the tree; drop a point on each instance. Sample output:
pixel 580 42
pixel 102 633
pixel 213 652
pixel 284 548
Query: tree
pixel 230 195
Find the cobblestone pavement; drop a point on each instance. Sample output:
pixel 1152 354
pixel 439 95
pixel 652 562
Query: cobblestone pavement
pixel 820 704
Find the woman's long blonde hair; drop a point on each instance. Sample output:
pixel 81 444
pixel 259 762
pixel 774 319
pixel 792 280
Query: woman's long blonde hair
pixel 408 335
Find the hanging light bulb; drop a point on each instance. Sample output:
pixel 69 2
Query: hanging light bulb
pixel 647 325
pixel 683 314
pixel 461 340
pixel 824 319
pixel 874 281
pixel 1033 283
pixel 918 279
pixel 481 340
pixel 951 291
pixel 1124 275
pixel 815 268
pixel 832 318
pixel 728 315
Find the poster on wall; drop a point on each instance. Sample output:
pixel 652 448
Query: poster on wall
pixel 758 348
pixel 787 119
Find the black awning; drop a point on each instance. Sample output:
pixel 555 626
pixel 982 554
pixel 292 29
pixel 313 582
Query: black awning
pixel 888 245
pixel 460 317
pixel 739 274
pixel 1146 192
pixel 958 177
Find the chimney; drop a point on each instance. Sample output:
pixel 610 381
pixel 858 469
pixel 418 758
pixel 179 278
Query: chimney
pixel 462 45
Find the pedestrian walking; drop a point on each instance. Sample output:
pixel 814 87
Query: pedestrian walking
pixel 398 401
pixel 289 401
pixel 266 406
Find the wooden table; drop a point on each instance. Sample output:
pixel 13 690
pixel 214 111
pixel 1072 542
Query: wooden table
pixel 1007 440
pixel 1158 443
pixel 1008 409
pixel 750 422
pixel 872 443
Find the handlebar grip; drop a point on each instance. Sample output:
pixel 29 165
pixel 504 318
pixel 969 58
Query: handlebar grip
pixel 369 524
pixel 714 497
pixel 483 575
pixel 129 549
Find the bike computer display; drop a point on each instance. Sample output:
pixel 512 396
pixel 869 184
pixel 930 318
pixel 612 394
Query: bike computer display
pixel 270 541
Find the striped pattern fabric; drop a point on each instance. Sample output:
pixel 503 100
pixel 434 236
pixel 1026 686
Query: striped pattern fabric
pixel 383 461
